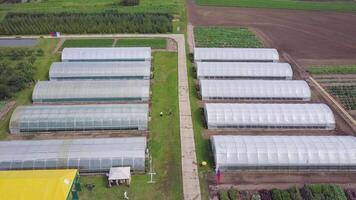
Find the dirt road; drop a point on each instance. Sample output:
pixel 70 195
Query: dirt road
pixel 309 37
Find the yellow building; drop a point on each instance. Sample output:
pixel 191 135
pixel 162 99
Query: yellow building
pixel 39 185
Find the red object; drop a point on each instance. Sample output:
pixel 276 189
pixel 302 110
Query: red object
pixel 218 175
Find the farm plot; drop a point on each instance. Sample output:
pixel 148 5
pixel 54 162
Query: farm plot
pixel 225 37
pixel 88 43
pixel 340 82
pixel 154 43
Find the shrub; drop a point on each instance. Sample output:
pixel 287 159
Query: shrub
pixel 295 194
pixel 130 2
pixel 278 194
pixel 265 195
pixel 223 195
pixel 75 23
pixel 256 197
pixel 232 193
pixel 321 192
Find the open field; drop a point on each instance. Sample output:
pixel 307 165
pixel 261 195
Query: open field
pixel 308 37
pixel 164 142
pixel 351 69
pixel 154 43
pixel 225 37
pixel 88 43
pixel 339 6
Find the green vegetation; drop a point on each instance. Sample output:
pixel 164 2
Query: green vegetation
pixel 149 6
pixel 154 43
pixel 223 195
pixel 88 43
pixel 340 6
pixel 164 142
pixel 75 23
pixel 130 2
pixel 41 65
pixel 319 191
pixel 278 194
pixel 341 69
pixel 346 94
pixel 225 37
pixel 2 104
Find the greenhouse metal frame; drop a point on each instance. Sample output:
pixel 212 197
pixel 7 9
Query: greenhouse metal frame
pixel 91 91
pixel 100 117
pixel 268 116
pixel 244 70
pixel 106 54
pixel 100 70
pixel 235 55
pixel 284 152
pixel 87 155
pixel 254 89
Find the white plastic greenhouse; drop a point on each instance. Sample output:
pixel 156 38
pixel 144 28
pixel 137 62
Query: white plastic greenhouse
pixel 87 155
pixel 254 89
pixel 243 70
pixel 235 55
pixel 52 118
pixel 284 152
pixel 91 91
pixel 100 70
pixel 286 116
pixel 106 54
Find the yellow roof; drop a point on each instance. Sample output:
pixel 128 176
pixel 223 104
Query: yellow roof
pixel 36 184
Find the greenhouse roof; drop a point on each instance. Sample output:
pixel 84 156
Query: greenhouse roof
pixel 37 184
pixel 235 54
pixel 83 154
pixel 244 70
pixel 111 90
pixel 258 89
pixel 269 115
pixel 107 54
pixel 283 151
pixel 44 118
pixel 105 70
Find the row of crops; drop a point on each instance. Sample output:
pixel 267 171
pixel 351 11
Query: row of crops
pixel 81 23
pixel 225 37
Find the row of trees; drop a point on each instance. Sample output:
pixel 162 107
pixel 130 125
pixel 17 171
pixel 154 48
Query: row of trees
pixel 75 23
pixel 308 192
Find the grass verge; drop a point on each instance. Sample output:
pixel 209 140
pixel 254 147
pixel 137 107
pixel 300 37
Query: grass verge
pixel 154 43
pixel 164 142
pixel 339 6
pixel 88 43
pixel 225 37
pixel 342 69
pixel 42 65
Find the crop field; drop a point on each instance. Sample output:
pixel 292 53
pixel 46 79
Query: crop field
pixel 340 6
pixel 225 37
pixel 88 43
pixel 154 43
pixel 164 142
pixel 340 82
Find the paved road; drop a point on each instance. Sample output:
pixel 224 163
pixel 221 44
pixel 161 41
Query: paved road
pixel 191 186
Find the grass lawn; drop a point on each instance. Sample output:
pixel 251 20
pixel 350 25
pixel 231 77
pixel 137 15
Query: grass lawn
pixel 339 6
pixel 88 43
pixel 341 69
pixel 154 43
pixel 167 6
pixel 164 142
pixel 225 37
pixel 42 63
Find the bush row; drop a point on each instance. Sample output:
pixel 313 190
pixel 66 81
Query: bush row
pixel 76 23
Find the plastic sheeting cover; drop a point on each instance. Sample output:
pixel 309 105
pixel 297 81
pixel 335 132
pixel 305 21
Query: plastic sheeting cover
pixel 236 54
pixel 254 89
pixel 220 115
pixel 229 70
pixel 83 154
pixel 261 152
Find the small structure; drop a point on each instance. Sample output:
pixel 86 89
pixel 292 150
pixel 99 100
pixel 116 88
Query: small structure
pixel 40 184
pixel 119 175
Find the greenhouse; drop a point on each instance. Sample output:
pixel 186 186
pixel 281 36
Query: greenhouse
pixel 235 55
pixel 284 152
pixel 91 91
pixel 106 54
pixel 277 116
pixel 100 70
pixel 243 70
pixel 87 155
pixel 52 118
pixel 254 89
